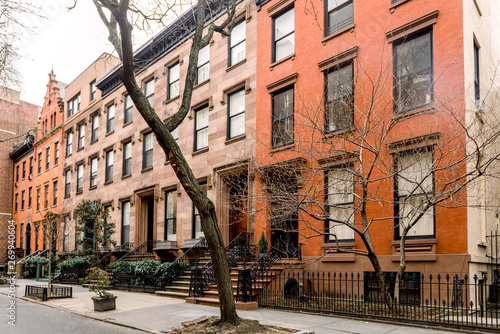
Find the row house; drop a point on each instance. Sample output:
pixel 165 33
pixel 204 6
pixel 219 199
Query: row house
pixel 387 92
pixel 111 154
pixel 38 172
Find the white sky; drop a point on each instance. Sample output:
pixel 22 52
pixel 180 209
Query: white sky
pixel 68 41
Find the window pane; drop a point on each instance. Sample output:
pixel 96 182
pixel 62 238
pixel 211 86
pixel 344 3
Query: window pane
pixel 149 87
pixel 409 209
pixel 202 118
pixel 341 230
pixel 203 73
pixel 202 139
pixel 237 126
pixel 204 55
pixel 340 186
pixel 238 53
pixel 237 103
pixel 284 24
pixel 238 33
pixel 285 47
pixel 415 173
pixel 174 89
pixel 148 141
pixel 173 73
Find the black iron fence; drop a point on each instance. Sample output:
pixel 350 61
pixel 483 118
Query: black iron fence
pixel 44 293
pixel 72 276
pixel 130 282
pixel 438 299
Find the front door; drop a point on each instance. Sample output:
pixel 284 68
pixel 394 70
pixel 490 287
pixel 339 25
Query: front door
pixel 28 239
pixel 284 216
pixel 238 196
pixel 150 222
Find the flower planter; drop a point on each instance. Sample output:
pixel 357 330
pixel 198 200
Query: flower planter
pixel 104 304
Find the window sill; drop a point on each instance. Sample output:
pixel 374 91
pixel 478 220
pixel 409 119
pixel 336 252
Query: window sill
pixel 172 99
pixel 396 4
pixel 292 57
pixel 66 156
pixel 147 169
pixel 127 124
pixel 417 250
pixel 201 84
pixel 80 149
pixel 108 182
pixel 200 151
pixel 333 255
pixel 282 148
pixel 235 139
pixel 109 133
pixel 338 133
pixel 126 176
pixel 337 33
pixel 79 192
pixel 67 196
pixel 241 62
pixel 428 109
pixel 92 188
pixel 93 142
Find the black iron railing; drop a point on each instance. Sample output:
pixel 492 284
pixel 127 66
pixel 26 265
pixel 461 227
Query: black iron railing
pixel 44 293
pixel 130 282
pixel 37 253
pixel 431 299
pixel 240 249
pixel 125 247
pixel 143 250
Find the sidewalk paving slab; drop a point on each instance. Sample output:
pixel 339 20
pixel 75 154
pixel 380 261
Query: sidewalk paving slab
pixel 156 314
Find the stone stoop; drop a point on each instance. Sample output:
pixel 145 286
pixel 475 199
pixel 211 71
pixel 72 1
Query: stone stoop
pixel 211 297
pixel 180 288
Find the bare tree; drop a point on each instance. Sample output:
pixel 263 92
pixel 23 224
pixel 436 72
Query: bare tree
pixel 380 161
pixel 116 16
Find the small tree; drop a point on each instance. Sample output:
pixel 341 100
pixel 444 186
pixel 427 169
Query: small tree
pixel 96 229
pixel 263 245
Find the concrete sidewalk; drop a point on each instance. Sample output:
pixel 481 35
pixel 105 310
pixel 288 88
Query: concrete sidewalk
pixel 153 314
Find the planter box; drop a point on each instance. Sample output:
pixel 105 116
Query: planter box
pixel 104 304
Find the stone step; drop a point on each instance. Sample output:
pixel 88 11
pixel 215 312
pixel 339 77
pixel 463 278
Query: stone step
pixel 174 288
pixel 180 283
pixel 171 294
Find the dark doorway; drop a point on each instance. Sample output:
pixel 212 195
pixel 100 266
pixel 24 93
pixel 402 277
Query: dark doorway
pixel 28 239
pixel 150 221
pixel 284 216
pixel 237 205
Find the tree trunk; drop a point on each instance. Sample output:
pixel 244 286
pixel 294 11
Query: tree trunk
pixel 402 265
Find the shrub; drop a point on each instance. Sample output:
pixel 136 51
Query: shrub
pixel 99 280
pixel 30 265
pixel 122 267
pixel 145 267
pixel 263 245
pixel 74 264
pixel 165 277
pixel 3 280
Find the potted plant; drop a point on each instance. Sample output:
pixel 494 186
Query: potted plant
pixel 99 280
pixel 262 245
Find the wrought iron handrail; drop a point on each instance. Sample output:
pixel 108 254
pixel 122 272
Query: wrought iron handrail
pixel 239 249
pixel 264 263
pixel 142 249
pixel 36 253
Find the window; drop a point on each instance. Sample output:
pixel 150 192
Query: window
pixel 46 196
pixel 339 15
pixel 67 183
pixel 283 35
pixel 17 173
pixel 129 108
pixel 413 82
pixel 38 199
pixel 236 114
pixel 340 201
pixel 24 169
pixel 409 288
pixel 54 186
pixel 69 143
pixel 237 43
pixel 339 101
pixel 79 178
pixel 170 215
pixel 31 165
pixel 147 151
pixel 22 200
pixel 108 177
pixel 39 162
pixel 30 195
pixel 93 172
pixel 94 123
pixel 414 187
pixel 127 159
pixel 47 158
pixel 66 234
pixel 149 91
pixel 173 81
pixel 73 105
pixel 282 128
pixel 92 91
pixel 81 136
pixel 477 93
pixel 78 242
pixel 110 119
pixel 203 68
pixel 107 231
pixel 125 222
pixel 201 128
pixel 56 153
pixel 197 231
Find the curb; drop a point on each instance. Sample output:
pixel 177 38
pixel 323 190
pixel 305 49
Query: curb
pixel 112 322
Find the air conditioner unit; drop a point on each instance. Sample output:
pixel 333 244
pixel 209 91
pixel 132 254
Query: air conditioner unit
pixel 480 104
pixel 16 184
pixel 30 177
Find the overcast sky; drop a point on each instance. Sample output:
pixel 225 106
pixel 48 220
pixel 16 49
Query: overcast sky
pixel 68 41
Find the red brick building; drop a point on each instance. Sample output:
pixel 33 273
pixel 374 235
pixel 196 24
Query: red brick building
pixel 379 92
